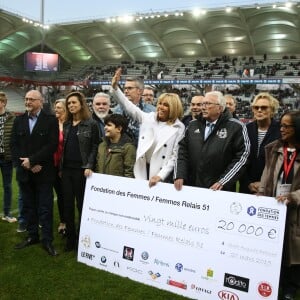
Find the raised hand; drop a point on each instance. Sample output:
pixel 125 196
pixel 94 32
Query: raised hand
pixel 115 80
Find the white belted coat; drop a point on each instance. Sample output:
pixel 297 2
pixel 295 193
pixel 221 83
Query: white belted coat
pixel 164 155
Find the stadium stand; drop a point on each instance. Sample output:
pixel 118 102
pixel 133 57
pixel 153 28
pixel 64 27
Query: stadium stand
pixel 162 55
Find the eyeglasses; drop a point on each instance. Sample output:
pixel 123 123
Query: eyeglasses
pixel 129 88
pixel 30 99
pixel 99 104
pixel 285 126
pixel 208 103
pixel 262 107
pixel 148 95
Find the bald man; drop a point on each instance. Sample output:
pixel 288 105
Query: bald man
pixel 231 104
pixel 195 110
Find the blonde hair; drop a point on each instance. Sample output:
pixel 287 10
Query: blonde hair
pixel 175 106
pixel 62 101
pixel 274 103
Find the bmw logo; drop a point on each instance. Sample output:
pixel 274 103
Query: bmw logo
pixel 145 255
pixel 179 267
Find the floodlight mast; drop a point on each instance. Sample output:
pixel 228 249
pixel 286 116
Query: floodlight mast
pixel 42 22
pixel 42 12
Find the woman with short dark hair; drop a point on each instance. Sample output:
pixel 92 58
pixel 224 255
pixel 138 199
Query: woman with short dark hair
pixel 281 179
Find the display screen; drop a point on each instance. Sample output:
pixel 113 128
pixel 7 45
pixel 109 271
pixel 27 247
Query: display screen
pixel 37 61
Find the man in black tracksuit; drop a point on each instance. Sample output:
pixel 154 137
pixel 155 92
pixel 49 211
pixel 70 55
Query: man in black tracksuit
pixel 214 150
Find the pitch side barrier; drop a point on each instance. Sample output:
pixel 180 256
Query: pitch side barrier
pixel 287 80
pixel 210 81
pixel 237 81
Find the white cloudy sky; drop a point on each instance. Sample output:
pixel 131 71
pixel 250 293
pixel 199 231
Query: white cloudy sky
pixel 73 10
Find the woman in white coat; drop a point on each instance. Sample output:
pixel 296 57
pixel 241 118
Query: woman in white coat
pixel 160 133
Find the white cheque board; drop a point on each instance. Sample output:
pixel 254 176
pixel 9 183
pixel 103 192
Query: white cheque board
pixel 199 243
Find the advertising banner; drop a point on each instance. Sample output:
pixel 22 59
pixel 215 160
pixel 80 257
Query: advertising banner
pixel 198 243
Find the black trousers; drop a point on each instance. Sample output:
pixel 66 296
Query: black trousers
pixel 38 208
pixel 73 185
pixel 290 277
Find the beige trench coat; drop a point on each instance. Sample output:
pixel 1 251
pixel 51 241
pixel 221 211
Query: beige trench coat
pixel 274 161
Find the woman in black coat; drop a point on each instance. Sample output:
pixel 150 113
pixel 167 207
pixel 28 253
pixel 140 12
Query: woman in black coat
pixel 262 131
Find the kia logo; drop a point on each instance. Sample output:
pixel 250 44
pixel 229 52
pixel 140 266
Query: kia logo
pixel 226 295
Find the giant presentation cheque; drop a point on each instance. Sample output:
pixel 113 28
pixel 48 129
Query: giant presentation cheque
pixel 198 243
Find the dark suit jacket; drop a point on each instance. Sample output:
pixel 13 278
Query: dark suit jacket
pixel 39 146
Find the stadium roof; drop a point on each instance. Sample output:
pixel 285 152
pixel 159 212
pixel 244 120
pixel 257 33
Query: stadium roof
pixel 243 31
